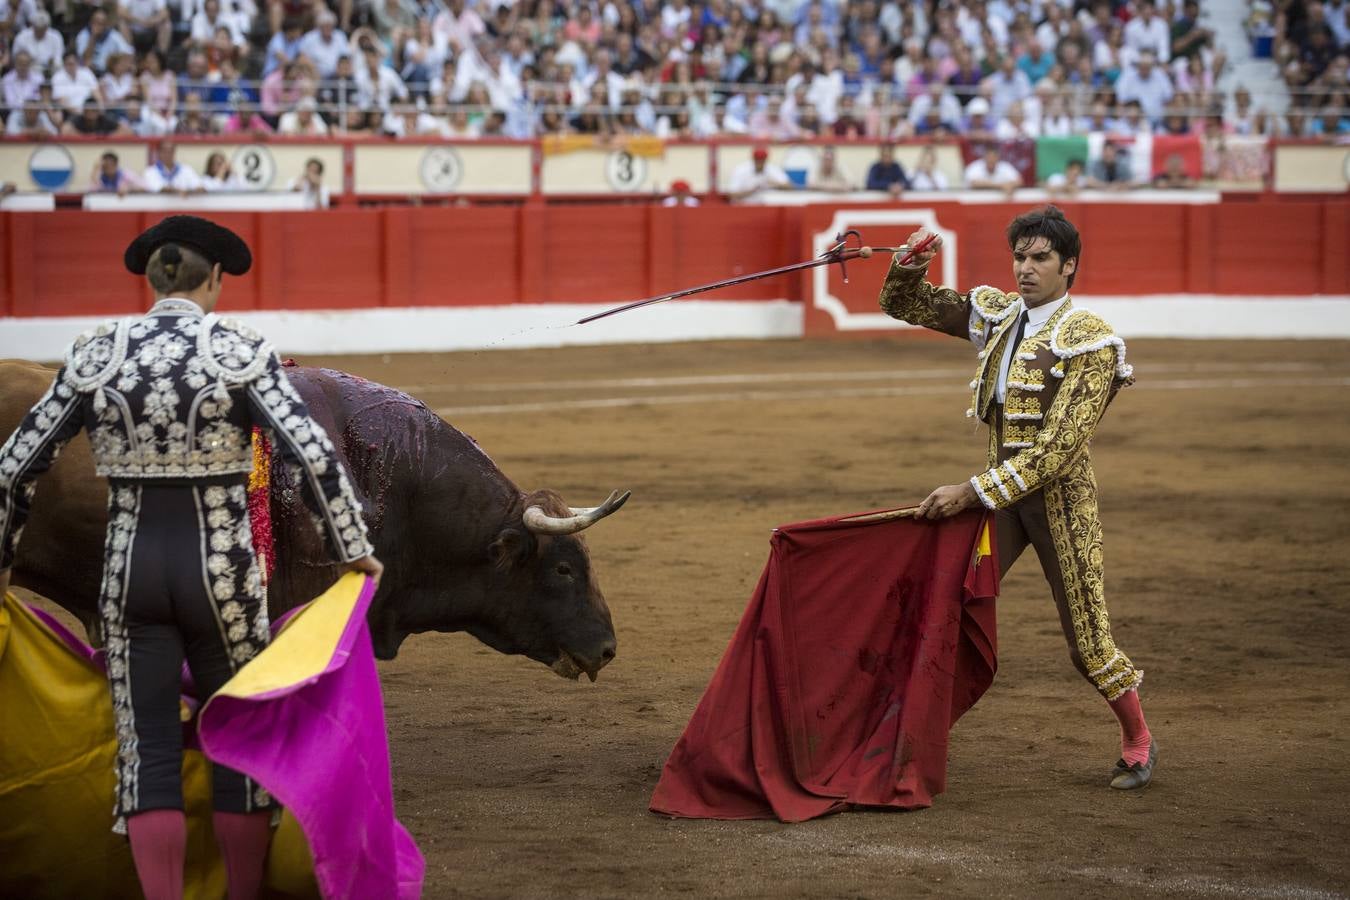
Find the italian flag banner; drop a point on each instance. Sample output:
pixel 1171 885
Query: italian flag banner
pixel 1147 153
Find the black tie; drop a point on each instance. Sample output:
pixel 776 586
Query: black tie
pixel 1016 342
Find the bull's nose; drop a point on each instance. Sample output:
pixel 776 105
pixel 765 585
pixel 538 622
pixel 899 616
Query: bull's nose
pixel 607 654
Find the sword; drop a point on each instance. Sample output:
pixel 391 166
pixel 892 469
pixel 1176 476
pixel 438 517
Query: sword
pixel 839 253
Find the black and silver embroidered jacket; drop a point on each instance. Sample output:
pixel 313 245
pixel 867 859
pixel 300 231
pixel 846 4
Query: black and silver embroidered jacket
pixel 175 395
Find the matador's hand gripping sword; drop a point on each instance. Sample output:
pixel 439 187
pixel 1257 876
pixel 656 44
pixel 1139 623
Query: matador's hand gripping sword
pixel 840 252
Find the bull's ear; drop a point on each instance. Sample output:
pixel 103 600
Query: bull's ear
pixel 509 548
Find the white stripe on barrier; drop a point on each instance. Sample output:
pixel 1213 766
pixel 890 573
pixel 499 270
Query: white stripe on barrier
pixel 443 329
pixel 520 326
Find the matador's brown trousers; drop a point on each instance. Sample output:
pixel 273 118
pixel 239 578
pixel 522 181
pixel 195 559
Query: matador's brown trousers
pixel 1060 521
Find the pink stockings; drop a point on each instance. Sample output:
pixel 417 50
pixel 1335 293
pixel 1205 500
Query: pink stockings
pixel 243 839
pixel 159 846
pixel 1134 734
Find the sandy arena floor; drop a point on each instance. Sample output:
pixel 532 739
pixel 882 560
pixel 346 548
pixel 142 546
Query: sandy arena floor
pixel 1226 505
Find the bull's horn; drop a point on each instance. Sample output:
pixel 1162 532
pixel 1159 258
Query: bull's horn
pixel 541 522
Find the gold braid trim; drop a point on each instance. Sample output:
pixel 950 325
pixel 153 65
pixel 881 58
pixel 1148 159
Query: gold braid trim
pixel 1067 427
pixel 1082 331
pixel 1076 529
pixel 991 304
pixel 907 295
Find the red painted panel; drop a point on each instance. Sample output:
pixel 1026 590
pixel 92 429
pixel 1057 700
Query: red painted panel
pixel 396 257
pixel 75 264
pixel 593 253
pixel 661 245
pixel 462 257
pixel 6 276
pixel 1268 248
pixel 267 265
pixel 243 292
pixel 1199 273
pixel 1131 250
pixel 1335 244
pixel 530 231
pixel 723 242
pixel 329 260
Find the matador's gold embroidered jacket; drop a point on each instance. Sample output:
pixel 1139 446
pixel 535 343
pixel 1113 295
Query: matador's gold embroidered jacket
pixel 1060 380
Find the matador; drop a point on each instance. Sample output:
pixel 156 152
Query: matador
pixel 1047 371
pixel 169 400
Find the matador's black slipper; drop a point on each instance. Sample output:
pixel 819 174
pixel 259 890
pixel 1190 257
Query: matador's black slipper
pixel 1137 775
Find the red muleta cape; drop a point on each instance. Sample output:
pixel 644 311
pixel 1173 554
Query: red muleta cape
pixel 863 644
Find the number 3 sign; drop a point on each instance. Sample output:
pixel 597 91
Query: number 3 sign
pixel 624 171
pixel 254 165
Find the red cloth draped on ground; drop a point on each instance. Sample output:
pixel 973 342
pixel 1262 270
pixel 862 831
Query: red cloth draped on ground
pixel 863 644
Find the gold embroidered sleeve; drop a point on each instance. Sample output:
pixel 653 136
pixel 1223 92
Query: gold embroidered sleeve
pixel 907 295
pixel 1068 426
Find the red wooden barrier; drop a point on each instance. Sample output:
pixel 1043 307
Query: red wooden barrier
pixel 70 262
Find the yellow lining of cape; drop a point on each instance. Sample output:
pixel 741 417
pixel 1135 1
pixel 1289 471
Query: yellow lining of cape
pixel 296 653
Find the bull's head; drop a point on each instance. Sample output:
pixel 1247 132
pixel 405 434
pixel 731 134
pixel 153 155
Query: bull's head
pixel 558 615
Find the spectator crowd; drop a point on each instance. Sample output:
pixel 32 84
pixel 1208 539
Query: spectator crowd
pixel 773 70
pixel 1312 41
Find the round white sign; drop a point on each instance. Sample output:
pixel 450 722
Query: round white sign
pixel 441 169
pixel 50 167
pixel 255 166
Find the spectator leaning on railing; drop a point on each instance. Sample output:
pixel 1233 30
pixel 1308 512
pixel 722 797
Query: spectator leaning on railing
pixel 755 175
pixel 992 172
pixel 220 176
pixel 168 176
pixel 110 178
pixel 1112 171
pixel 886 174
pixel 927 176
pixel 310 184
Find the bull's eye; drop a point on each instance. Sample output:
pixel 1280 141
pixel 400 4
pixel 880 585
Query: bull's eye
pixel 564 570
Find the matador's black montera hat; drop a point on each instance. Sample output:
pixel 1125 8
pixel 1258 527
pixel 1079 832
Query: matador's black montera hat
pixel 214 242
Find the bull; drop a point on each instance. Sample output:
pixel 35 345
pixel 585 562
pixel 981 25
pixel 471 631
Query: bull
pixel 464 548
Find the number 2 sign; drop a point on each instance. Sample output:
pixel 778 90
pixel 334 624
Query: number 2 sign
pixel 254 165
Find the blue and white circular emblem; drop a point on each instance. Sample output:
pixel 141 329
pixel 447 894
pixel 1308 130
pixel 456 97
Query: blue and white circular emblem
pixel 799 164
pixel 50 167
